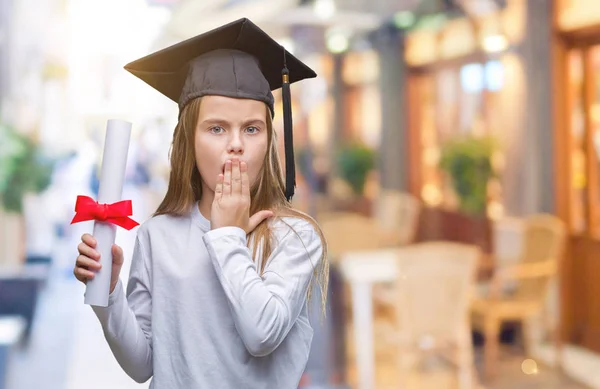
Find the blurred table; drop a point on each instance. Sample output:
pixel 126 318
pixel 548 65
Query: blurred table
pixel 362 269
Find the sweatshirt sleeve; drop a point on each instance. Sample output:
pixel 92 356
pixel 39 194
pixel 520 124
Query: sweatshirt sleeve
pixel 126 321
pixel 264 308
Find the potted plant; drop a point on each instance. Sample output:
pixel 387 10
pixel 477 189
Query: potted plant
pixel 354 163
pixel 24 169
pixel 468 163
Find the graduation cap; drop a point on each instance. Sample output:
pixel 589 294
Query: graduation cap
pixel 235 60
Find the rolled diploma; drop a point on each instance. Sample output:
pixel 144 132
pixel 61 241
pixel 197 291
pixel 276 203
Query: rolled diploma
pixel 112 174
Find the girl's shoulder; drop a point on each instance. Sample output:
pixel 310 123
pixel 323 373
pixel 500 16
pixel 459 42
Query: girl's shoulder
pixel 283 225
pixel 163 224
pixel 289 222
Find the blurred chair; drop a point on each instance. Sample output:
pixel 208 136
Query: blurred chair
pixel 507 235
pixel 434 291
pixel 543 242
pixel 397 213
pixel 339 190
pixel 347 231
pixel 394 223
pixel 507 240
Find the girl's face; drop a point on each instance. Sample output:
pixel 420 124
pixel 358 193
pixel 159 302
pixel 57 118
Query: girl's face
pixel 230 128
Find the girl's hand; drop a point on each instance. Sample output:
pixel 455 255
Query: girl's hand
pixel 231 206
pixel 88 261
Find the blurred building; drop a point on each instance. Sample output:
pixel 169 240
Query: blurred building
pixel 575 91
pixel 402 78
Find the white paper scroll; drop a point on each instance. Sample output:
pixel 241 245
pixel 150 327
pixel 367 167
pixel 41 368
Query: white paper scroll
pixel 112 175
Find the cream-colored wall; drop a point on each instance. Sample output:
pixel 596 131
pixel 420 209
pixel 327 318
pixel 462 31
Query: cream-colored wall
pixel 577 14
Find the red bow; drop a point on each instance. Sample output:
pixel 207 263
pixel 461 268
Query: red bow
pixel 117 213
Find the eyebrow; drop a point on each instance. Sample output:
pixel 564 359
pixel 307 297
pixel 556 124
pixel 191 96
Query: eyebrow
pixel 223 122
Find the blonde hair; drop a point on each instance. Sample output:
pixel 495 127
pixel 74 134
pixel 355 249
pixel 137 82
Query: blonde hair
pixel 185 189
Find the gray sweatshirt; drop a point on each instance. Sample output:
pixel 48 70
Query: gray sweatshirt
pixel 196 313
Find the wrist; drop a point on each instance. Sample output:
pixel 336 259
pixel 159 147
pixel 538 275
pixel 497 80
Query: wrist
pixel 216 226
pixel 227 231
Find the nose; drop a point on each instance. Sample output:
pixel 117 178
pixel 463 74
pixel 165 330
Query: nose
pixel 235 145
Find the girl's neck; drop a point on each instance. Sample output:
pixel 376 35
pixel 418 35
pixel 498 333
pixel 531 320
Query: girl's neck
pixel 205 203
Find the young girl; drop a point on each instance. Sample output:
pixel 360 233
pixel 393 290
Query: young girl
pixel 220 275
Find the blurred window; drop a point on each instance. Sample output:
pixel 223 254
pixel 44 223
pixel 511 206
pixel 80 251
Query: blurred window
pixel 452 100
pixel 584 128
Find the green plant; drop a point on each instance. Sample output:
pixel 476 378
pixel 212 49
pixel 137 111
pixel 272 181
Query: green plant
pixel 303 160
pixel 468 162
pixel 354 162
pixel 24 168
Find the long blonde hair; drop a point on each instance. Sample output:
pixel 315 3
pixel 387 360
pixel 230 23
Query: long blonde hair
pixel 185 189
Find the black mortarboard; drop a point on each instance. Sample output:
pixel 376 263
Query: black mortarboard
pixel 235 60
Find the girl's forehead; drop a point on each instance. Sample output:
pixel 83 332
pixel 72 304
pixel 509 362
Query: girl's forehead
pixel 234 108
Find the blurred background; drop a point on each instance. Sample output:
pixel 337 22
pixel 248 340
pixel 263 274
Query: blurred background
pixel 450 150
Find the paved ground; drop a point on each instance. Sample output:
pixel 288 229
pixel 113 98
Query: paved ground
pixel 437 375
pixel 68 351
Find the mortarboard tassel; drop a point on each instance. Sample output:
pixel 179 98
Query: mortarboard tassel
pixel 288 136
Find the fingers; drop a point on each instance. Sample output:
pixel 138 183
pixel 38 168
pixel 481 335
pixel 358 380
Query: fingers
pixel 245 179
pixel 117 254
pixel 227 179
pixel 88 251
pixel 219 187
pixel 236 177
pixel 257 218
pixel 85 267
pixel 89 240
pixel 82 274
pixel 87 263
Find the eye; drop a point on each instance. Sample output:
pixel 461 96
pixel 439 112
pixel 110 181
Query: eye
pixel 252 130
pixel 217 130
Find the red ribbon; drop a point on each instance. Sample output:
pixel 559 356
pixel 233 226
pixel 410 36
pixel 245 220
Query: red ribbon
pixel 116 213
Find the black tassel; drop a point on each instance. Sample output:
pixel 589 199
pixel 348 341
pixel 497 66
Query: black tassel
pixel 288 136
